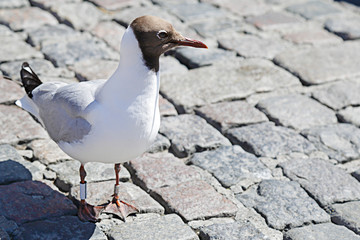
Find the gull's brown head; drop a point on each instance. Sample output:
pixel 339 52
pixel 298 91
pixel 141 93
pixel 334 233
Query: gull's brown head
pixel 156 36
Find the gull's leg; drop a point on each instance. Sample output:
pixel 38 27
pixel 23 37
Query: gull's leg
pixel 86 211
pixel 118 207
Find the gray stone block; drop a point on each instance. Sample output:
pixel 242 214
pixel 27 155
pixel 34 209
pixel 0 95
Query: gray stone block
pixel 339 94
pixel 325 182
pixel 165 227
pixel 195 200
pixel 8 226
pixel 10 91
pixel 224 81
pixel 7 34
pixel 12 171
pixel 113 5
pixel 14 3
pixel 171 3
pixel 158 170
pixel 251 46
pixel 12 48
pixel 296 111
pixel 25 18
pixel 312 36
pixel 4 235
pixel 225 115
pixel 214 27
pixel 231 165
pixel 93 69
pixel 179 187
pixel 152 171
pixel 243 8
pixel 268 140
pixel 191 12
pixel 347 214
pixel 231 231
pixel 166 108
pixel 347 27
pixel 284 204
pixel 126 15
pixel 169 66
pixel 272 20
pixel 111 32
pixel 71 51
pixel 41 202
pixel 327 65
pixel 350 115
pixel 312 9
pixel 15 168
pixel 77 14
pixel 66 227
pixel 339 141
pixel 50 32
pixel 189 134
pixel 325 231
pixel 47 151
pixel 49 5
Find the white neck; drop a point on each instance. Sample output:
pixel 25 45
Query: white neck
pixel 132 77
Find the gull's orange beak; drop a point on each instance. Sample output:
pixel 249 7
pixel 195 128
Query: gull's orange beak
pixel 191 43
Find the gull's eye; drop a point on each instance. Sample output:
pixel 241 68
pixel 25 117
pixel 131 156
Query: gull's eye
pixel 162 34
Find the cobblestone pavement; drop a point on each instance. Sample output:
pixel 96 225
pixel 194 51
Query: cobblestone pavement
pixel 260 133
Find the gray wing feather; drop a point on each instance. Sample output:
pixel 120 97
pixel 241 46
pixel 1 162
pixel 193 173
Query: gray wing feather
pixel 61 108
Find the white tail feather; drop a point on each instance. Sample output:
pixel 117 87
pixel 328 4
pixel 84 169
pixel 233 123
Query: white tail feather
pixel 27 104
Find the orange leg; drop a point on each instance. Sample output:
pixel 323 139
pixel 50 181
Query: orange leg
pixel 86 212
pixel 116 206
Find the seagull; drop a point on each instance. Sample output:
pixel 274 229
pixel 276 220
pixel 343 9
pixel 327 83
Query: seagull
pixel 109 121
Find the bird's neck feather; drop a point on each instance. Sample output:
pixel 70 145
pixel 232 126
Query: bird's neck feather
pixel 132 77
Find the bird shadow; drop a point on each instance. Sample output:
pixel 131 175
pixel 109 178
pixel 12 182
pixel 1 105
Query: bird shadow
pixel 33 210
pixel 354 2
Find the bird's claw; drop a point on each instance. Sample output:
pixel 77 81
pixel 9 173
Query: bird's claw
pixel 89 213
pixel 120 208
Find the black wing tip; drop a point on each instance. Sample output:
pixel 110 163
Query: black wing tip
pixel 29 79
pixel 25 64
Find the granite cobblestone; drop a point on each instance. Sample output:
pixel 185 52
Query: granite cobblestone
pixel 347 27
pixel 328 68
pixel 25 18
pixel 328 185
pixel 326 231
pixel 340 142
pixel 347 214
pixel 268 140
pixel 312 9
pixel 312 36
pixel 225 115
pixel 284 204
pixel 296 111
pixel 189 134
pixel 259 133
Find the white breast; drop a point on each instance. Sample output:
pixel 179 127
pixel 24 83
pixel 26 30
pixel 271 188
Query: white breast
pixel 125 117
pixel 119 136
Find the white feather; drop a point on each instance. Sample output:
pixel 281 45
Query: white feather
pixel 27 104
pixel 28 69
